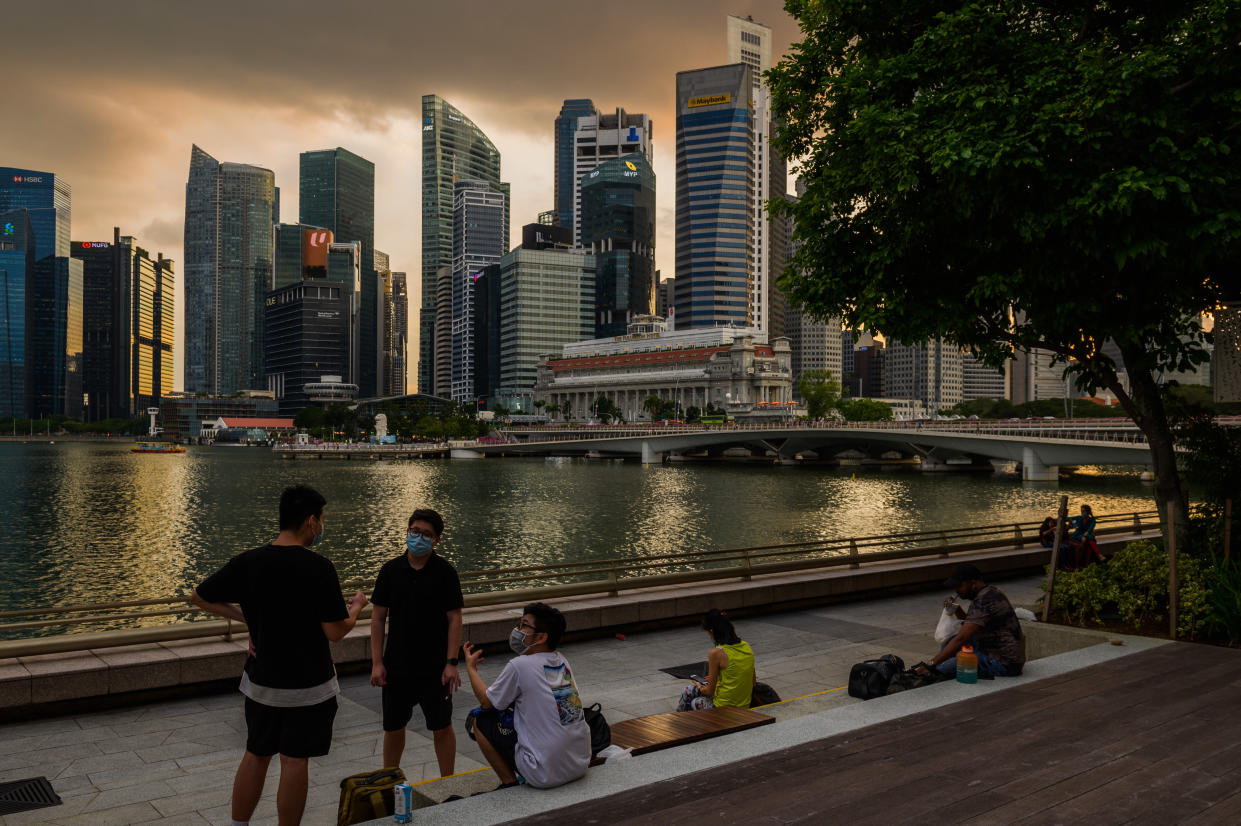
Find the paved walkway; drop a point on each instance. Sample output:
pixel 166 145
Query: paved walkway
pixel 1149 738
pixel 173 762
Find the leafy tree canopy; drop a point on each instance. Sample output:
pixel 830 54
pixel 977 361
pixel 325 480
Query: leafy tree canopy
pixel 1009 173
pixel 819 391
pixel 865 410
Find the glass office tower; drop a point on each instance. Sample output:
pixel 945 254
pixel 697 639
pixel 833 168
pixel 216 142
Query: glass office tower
pixel 17 246
pixel 127 327
pixel 478 241
pixel 715 185
pixel 54 294
pixel 618 226
pixel 229 212
pixel 337 192
pixel 453 149
pixel 566 125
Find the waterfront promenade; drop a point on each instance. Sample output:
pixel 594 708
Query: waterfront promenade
pixel 173 761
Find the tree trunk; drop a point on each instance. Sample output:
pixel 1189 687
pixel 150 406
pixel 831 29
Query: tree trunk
pixel 1144 404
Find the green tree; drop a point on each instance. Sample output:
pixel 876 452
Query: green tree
pixel 865 410
pixel 653 405
pixel 606 410
pixel 1010 175
pixel 819 391
pixel 311 419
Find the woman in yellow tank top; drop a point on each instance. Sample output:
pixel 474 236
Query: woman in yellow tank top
pixel 730 669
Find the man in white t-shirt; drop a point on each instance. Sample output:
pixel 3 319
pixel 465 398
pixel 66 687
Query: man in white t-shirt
pixel 546 739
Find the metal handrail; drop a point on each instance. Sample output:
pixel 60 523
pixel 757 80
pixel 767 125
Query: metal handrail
pixel 542 581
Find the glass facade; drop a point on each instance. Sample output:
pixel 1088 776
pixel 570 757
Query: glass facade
pixel 618 225
pixel 127 327
pixel 229 254
pixel 17 245
pixel 566 125
pixel 400 335
pixel 337 192
pixel 715 186
pixel 307 327
pixel 546 300
pixel 54 296
pixel 478 241
pixel 453 149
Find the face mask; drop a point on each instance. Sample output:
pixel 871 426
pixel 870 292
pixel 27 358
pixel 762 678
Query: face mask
pixel 417 544
pixel 318 537
pixel 517 641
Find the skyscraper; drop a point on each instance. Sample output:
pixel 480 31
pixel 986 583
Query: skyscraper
pixel 599 139
pixel 929 373
pixel 715 185
pixel 478 241
pixel 301 252
pixel 17 246
pixel 229 251
pixel 617 224
pixel 337 192
pixel 128 327
pixel 400 336
pixel 54 295
pixel 749 42
pixel 565 175
pixel 453 149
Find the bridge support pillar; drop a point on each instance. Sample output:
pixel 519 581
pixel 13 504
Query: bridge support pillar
pixel 930 464
pixel 463 453
pixel 1033 470
pixel 1147 474
pixel 649 456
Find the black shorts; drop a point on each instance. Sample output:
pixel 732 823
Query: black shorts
pixel 304 731
pixel 400 697
pixel 497 727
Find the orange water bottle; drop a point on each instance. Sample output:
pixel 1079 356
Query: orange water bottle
pixel 967 665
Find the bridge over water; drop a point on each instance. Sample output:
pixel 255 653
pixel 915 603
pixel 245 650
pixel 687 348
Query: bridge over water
pixel 1040 447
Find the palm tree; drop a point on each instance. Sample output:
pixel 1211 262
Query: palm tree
pixel 652 405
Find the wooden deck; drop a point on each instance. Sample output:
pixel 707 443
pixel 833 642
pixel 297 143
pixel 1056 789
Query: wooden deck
pixel 663 731
pixel 1150 738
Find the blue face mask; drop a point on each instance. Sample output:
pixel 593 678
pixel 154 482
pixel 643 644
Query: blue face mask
pixel 417 544
pixel 319 536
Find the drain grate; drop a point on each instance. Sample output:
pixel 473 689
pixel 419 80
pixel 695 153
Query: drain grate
pixel 24 795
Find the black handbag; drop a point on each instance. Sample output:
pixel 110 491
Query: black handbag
pixel 600 731
pixel 871 678
pixel 763 695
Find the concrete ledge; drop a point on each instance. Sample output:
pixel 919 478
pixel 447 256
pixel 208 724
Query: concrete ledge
pixel 636 772
pixel 26 683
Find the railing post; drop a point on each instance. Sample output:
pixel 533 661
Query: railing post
pixel 1017 535
pixel 1137 523
pixel 228 629
pixel 745 564
pixel 853 554
pixel 943 540
pixel 613 591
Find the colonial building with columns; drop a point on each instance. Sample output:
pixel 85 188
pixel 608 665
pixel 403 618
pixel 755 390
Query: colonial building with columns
pixel 734 369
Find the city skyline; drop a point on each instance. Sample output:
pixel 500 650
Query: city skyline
pixel 286 84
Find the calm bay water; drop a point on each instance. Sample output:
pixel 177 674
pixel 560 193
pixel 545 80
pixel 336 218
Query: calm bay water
pixel 87 522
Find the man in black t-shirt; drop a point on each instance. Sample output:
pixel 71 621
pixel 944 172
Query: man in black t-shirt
pixel 419 595
pixel 291 601
pixel 991 627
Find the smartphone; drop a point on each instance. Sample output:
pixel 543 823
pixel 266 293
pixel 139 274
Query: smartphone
pixel 697 679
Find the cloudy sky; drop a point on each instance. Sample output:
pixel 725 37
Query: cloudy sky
pixel 113 95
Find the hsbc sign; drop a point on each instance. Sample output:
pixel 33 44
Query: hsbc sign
pixel 27 179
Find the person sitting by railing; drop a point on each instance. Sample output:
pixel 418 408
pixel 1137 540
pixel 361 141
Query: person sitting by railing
pixel 1047 532
pixel 730 669
pixel 1085 549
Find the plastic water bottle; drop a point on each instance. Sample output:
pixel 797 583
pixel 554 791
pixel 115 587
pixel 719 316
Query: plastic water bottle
pixel 967 665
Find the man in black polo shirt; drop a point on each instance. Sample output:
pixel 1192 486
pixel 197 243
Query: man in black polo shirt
pixel 290 599
pixel 419 595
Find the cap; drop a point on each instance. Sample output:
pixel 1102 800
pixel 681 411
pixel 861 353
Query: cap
pixel 962 573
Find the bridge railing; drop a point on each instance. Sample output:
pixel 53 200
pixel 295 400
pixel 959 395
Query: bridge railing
pixel 62 628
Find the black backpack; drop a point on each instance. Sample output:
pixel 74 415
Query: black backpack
pixel 600 731
pixel 871 678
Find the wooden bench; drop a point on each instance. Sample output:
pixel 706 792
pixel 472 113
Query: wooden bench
pixel 675 728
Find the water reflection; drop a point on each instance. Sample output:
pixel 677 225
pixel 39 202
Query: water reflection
pixel 93 522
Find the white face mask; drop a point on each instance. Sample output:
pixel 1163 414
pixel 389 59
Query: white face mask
pixel 517 641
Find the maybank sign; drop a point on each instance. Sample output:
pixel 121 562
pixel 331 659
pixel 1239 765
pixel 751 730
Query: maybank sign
pixel 710 100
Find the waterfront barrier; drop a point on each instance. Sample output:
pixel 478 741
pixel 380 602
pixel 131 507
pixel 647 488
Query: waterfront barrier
pixel 42 630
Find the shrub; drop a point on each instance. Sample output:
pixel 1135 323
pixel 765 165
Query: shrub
pixel 1133 585
pixel 1223 617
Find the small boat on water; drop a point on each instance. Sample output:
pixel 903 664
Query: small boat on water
pixel 156 447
